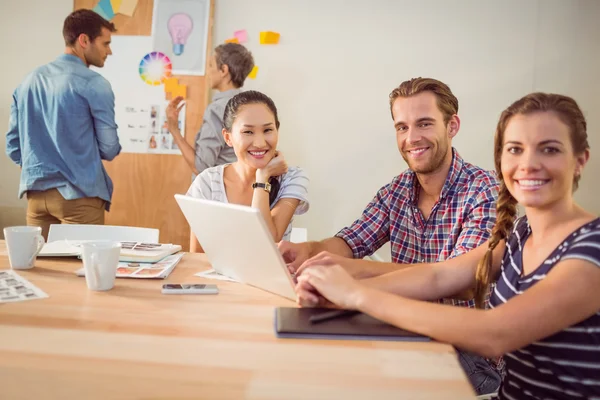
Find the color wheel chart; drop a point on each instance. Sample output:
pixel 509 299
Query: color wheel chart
pixel 154 68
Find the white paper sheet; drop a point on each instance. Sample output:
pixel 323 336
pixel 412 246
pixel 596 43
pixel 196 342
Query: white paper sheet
pixel 14 287
pixel 212 274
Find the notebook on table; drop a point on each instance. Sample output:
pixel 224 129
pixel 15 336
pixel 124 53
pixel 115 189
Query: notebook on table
pixel 294 323
pixel 130 251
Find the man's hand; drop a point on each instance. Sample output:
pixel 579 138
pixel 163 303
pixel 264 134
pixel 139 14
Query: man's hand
pixel 294 254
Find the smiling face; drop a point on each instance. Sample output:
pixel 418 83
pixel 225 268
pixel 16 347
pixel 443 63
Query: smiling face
pixel 253 135
pixel 538 162
pixel 424 140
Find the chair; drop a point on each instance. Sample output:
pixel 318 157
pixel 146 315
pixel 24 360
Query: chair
pixel 299 235
pixel 102 232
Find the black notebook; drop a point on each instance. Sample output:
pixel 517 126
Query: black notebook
pixel 294 323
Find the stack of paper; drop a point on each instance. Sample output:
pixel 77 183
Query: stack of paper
pixel 158 270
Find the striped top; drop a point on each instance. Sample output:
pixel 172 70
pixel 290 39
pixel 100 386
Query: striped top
pixel 293 185
pixel 565 365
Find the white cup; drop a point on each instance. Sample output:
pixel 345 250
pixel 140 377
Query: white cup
pixel 100 262
pixel 24 244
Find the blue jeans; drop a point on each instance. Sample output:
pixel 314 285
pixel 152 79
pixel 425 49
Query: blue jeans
pixel 484 377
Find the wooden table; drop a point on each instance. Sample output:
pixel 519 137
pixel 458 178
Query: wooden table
pixel 132 342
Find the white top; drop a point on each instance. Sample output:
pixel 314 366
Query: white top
pixel 293 185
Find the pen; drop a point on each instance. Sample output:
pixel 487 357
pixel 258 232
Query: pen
pixel 328 315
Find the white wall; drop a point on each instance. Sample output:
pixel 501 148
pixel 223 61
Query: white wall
pixel 30 35
pixel 337 62
pixel 24 49
pixel 568 62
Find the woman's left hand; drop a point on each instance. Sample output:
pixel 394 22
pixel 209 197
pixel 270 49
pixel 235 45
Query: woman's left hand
pixel 333 283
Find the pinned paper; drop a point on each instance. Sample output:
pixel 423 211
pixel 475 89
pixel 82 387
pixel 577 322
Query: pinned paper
pixel 232 40
pixel 127 7
pixel 252 74
pixel 116 5
pixel 181 90
pixel 104 9
pixel 171 84
pixel 173 88
pixel 241 36
pixel 268 37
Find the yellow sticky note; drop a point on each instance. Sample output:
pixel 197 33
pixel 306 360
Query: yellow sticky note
pixel 116 5
pixel 171 84
pixel 127 7
pixel 252 74
pixel 181 90
pixel 232 40
pixel 268 37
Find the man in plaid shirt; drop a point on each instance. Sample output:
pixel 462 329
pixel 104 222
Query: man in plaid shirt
pixel 440 208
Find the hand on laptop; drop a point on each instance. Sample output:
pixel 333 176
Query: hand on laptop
pixel 308 296
pixel 356 268
pixel 328 286
pixel 294 254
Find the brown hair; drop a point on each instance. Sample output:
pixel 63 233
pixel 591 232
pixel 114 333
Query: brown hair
pixel 570 114
pixel 446 101
pixel 84 22
pixel 238 59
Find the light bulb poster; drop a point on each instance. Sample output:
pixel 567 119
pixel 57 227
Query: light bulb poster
pixel 180 31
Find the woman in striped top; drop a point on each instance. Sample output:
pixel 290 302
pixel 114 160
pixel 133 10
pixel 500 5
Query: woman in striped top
pixel 260 177
pixel 545 315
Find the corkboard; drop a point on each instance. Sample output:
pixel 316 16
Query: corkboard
pixel 140 23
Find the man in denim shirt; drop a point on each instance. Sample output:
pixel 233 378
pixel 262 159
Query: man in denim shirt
pixel 62 125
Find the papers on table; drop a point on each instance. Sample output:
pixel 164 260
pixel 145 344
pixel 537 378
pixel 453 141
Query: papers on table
pixel 14 287
pixel 212 274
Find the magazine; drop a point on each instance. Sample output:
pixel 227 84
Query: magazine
pixel 157 270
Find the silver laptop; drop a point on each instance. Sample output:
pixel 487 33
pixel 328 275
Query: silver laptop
pixel 238 244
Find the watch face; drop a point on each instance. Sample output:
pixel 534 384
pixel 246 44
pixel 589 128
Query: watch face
pixel 265 186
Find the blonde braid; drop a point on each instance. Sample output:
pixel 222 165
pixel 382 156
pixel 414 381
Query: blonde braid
pixel 506 209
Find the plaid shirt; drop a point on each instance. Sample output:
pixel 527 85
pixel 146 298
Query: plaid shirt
pixel 460 220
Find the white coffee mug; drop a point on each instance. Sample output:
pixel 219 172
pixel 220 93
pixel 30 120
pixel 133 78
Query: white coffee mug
pixel 100 262
pixel 24 244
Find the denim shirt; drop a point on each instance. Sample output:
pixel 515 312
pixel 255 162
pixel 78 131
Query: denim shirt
pixel 61 127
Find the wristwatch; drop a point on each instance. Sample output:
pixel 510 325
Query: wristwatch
pixel 266 186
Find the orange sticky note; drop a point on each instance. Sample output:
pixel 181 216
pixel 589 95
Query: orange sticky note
pixel 232 40
pixel 181 90
pixel 170 84
pixel 252 74
pixel 268 37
